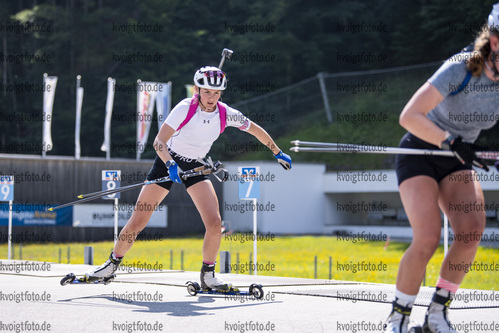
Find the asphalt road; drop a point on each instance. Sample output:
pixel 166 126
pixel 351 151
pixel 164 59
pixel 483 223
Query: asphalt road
pixel 32 300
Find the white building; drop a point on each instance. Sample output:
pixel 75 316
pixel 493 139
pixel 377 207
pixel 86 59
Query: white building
pixel 307 200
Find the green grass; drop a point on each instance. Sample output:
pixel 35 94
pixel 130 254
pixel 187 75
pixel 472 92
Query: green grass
pixel 290 257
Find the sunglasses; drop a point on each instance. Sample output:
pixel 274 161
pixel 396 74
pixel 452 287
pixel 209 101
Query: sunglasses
pixel 212 74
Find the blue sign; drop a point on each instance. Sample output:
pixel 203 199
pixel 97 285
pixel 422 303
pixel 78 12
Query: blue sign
pixel 6 188
pixel 110 181
pixel 33 214
pixel 249 184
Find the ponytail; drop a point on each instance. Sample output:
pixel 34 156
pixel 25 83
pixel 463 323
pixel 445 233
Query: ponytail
pixel 481 51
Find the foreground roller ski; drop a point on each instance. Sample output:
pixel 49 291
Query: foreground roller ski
pixel 103 274
pixel 72 279
pixel 256 290
pixel 210 284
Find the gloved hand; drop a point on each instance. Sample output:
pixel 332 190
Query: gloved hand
pixel 283 160
pixel 173 171
pixel 464 152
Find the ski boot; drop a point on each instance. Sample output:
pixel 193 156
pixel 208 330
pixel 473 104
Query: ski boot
pixel 436 319
pixel 398 320
pixel 105 270
pixel 209 281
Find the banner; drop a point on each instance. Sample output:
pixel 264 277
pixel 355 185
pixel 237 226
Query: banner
pixel 35 215
pixel 146 93
pixel 79 102
pixel 102 215
pixel 106 145
pixel 49 84
pixel 163 102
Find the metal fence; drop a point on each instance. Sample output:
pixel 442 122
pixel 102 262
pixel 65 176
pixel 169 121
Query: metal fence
pixel 329 97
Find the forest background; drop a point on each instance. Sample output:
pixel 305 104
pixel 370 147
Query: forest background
pixel 276 43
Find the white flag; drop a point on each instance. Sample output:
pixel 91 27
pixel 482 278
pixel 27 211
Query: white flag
pixel 146 93
pixel 106 145
pixel 163 102
pixel 49 85
pixel 189 90
pixel 79 102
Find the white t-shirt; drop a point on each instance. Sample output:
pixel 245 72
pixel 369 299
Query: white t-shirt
pixel 195 138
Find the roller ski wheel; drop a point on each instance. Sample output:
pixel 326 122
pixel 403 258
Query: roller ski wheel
pixel 415 328
pixel 193 288
pixel 68 279
pixel 71 279
pixel 109 279
pixel 256 290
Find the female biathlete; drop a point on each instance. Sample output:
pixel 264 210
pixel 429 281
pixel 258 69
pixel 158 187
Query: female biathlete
pixel 428 184
pixel 179 144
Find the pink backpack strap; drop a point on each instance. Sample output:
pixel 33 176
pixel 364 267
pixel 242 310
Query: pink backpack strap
pixel 192 110
pixel 223 116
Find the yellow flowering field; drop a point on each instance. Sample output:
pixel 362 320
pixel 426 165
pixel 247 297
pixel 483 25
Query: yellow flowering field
pixel 277 256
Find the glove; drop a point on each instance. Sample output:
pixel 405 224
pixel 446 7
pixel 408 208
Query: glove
pixel 173 171
pixel 464 152
pixel 283 160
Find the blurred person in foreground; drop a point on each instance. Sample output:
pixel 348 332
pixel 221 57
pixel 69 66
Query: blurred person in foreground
pixel 434 119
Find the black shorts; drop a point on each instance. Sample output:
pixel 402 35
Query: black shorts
pixel 436 167
pixel 159 170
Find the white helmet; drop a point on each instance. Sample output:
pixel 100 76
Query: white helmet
pixel 493 20
pixel 210 77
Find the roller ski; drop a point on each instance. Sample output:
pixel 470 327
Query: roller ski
pixel 212 285
pixel 103 274
pixel 255 290
pixel 72 279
